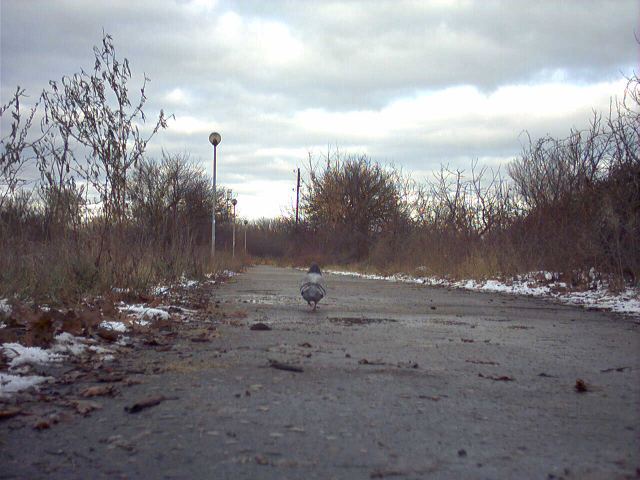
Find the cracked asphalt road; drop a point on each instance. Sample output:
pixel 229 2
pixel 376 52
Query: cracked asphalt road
pixel 398 380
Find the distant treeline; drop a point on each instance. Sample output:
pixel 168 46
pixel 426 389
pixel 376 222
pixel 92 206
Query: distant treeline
pixel 564 204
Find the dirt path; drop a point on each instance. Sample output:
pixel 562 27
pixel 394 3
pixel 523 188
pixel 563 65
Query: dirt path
pixel 398 380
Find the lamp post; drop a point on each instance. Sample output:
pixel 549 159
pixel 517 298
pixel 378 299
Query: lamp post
pixel 214 139
pixel 233 244
pixel 245 236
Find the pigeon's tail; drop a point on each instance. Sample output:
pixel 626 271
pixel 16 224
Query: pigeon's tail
pixel 312 292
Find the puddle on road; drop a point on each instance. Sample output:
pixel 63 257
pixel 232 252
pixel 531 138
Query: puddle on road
pixel 267 299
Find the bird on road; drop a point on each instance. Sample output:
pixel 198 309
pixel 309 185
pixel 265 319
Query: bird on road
pixel 312 288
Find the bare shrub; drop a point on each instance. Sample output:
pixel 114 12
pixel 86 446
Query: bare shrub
pixel 351 203
pixel 153 221
pixel 95 111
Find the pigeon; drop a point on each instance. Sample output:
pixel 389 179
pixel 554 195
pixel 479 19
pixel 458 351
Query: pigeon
pixel 312 288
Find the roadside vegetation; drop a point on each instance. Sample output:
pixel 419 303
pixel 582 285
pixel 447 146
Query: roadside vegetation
pixel 569 205
pixel 101 214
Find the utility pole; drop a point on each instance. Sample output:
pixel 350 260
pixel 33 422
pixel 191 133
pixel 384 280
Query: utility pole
pixel 245 236
pixel 233 244
pixel 297 196
pixel 214 139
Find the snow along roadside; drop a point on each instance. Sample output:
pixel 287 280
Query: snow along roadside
pixel 626 302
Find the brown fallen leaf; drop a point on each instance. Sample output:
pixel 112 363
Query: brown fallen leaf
pixel 364 361
pixel 285 366
pixel 259 326
pixel 261 460
pixel 98 391
pixel 108 334
pixel 501 378
pixel 145 403
pixel 84 407
pixel 153 342
pixel 9 412
pixel 467 340
pixel 42 424
pixel 40 330
pixel 305 345
pixel 433 398
pixel 581 386
pixel 131 381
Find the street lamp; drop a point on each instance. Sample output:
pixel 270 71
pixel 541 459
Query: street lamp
pixel 245 236
pixel 214 139
pixel 233 247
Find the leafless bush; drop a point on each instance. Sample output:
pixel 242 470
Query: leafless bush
pixel 16 146
pixel 582 194
pixel 153 220
pixel 94 110
pixel 351 203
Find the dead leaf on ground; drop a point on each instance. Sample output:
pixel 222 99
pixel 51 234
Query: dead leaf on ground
pixel 581 386
pixel 108 334
pixel 497 378
pixel 433 398
pixel 408 365
pixel 110 378
pixel 205 337
pixel 305 345
pixel 9 412
pixel 131 381
pixel 145 403
pixel 42 424
pixel 364 361
pixel 90 319
pixel 467 340
pixel 84 407
pixel 285 366
pixel 40 330
pixel 153 342
pixel 259 326
pixel 98 391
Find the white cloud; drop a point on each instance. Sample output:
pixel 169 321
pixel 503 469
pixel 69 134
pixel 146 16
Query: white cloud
pixel 177 96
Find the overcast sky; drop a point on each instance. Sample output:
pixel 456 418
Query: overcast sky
pixel 414 83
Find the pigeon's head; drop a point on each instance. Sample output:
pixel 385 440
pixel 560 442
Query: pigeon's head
pixel 314 268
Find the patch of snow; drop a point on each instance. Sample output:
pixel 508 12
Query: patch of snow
pixel 123 341
pixel 111 325
pixel 15 383
pixel 5 308
pixel 66 343
pixel 20 355
pixel 627 302
pixel 160 290
pixel 143 314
